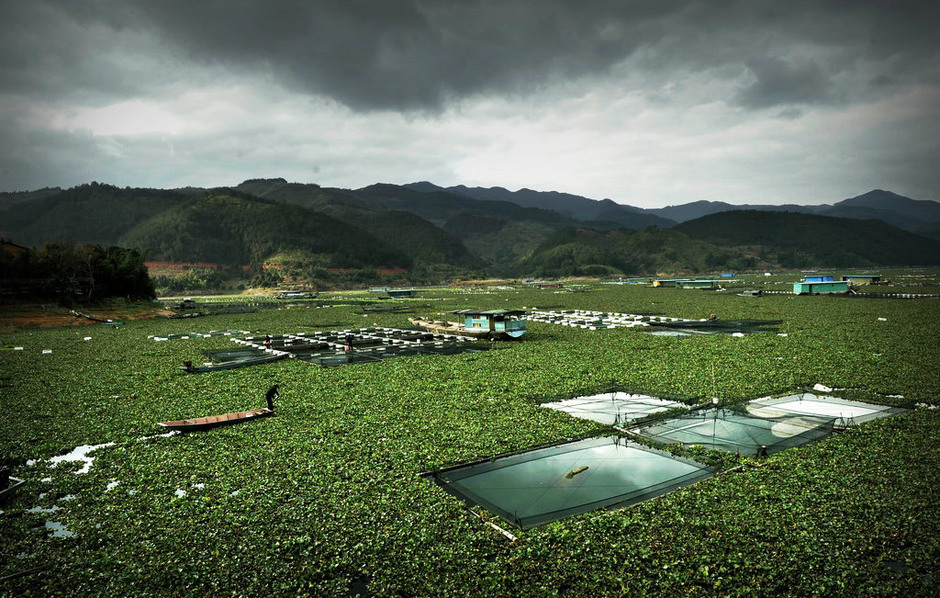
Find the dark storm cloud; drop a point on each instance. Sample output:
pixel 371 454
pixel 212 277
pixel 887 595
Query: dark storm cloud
pixel 413 54
pixel 31 158
pixel 780 82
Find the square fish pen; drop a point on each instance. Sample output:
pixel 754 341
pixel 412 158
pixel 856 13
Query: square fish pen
pixel 546 484
pixel 613 408
pixel 368 345
pixel 846 412
pixel 733 432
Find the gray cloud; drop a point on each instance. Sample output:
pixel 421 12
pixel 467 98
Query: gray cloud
pixel 781 82
pixel 420 54
pixel 534 92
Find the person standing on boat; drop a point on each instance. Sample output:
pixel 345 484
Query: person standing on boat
pixel 271 395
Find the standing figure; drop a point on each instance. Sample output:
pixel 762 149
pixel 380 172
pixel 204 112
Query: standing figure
pixel 271 395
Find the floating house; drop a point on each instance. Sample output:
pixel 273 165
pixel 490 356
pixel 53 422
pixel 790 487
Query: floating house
pixel 508 321
pixel 860 279
pixel 820 288
pixel 491 324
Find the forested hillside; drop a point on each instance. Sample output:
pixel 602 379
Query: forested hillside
pixel 228 227
pixel 93 213
pixel 422 233
pixel 427 244
pixel 798 240
pixel 625 252
pixel 500 232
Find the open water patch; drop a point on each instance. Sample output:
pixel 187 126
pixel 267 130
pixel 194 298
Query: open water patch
pixel 58 529
pixel 547 484
pixel 613 408
pixel 81 453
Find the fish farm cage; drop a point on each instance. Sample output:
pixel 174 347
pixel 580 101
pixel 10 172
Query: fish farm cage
pixel 845 411
pixel 336 347
pixel 546 484
pixel 727 430
pixel 597 320
pixel 614 408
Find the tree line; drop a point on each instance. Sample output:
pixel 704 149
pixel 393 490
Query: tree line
pixel 71 273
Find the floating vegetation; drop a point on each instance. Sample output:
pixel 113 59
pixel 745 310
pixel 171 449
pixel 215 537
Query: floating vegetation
pixel 327 495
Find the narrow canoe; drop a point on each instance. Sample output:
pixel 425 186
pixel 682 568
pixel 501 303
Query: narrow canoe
pixel 214 421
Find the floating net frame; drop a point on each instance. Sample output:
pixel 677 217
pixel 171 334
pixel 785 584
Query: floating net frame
pixel 614 408
pixel 569 479
pixel 847 412
pixel 733 432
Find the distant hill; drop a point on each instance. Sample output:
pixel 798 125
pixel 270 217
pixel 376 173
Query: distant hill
pixel 918 216
pixel 734 240
pixel 8 199
pixel 500 232
pixel 436 233
pixel 626 252
pixel 798 240
pixel 227 227
pixel 90 214
pixel 573 206
pixel 403 230
pixel 697 209
pixel 886 201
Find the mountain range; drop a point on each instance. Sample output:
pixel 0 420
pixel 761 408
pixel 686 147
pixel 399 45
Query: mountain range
pixel 426 233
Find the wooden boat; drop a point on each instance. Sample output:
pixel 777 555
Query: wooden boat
pixel 214 421
pixel 10 490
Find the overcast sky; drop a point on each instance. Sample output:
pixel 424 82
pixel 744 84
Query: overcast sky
pixel 649 103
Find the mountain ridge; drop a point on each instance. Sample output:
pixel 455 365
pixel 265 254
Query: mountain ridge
pixel 429 233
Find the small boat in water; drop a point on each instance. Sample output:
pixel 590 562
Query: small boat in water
pixel 214 421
